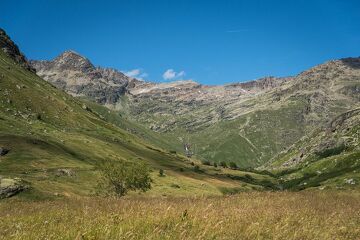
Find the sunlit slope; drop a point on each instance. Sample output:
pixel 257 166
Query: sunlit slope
pixel 330 157
pixel 252 128
pixel 247 123
pixel 47 130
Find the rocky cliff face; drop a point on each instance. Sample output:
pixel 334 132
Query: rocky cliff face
pixel 266 83
pixel 78 76
pixel 12 50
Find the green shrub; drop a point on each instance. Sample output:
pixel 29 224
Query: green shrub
pixel 233 165
pixel 249 177
pixel 174 185
pixel 223 164
pixel 119 177
pixel 38 116
pixel 197 168
pixel 161 172
pixel 231 191
pixel 331 151
pixel 206 162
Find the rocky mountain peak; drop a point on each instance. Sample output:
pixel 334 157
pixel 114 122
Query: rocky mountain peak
pixel 12 50
pixel 351 62
pixel 78 76
pixel 333 67
pixel 71 60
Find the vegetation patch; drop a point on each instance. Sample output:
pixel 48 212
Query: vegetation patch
pixel 331 151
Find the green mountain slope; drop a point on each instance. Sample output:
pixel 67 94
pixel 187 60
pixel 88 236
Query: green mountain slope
pixel 49 132
pixel 330 157
pixel 56 141
pixel 246 123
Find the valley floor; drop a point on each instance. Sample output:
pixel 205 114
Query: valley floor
pixel 254 215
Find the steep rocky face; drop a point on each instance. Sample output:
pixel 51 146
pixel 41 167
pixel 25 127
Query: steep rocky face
pixel 68 61
pixel 266 83
pixel 12 50
pixel 200 105
pixel 78 76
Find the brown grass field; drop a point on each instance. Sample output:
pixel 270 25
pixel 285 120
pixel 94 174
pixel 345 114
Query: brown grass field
pixel 255 215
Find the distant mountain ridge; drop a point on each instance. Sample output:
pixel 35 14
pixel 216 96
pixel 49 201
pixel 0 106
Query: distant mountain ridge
pixel 261 117
pixel 73 73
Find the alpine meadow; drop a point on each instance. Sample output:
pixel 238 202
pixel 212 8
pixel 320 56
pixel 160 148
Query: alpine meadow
pixel 180 145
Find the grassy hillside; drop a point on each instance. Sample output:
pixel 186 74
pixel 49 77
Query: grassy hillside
pixel 47 130
pixel 329 158
pixel 252 128
pixel 255 136
pixel 246 123
pixel 56 143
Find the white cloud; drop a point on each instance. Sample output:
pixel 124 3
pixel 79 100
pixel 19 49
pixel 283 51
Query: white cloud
pixel 136 73
pixel 170 74
pixel 132 73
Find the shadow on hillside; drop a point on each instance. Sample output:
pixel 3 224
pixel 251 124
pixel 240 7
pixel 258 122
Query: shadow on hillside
pixel 352 62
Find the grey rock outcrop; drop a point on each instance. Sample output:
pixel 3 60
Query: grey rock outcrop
pixel 65 172
pixel 10 187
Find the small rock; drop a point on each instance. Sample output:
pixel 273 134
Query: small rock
pixel 65 172
pixel 350 181
pixel 85 107
pixel 3 151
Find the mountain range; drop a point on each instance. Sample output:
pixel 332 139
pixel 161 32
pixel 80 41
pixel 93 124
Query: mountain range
pixel 61 118
pixel 248 123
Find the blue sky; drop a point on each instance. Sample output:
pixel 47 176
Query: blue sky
pixel 212 42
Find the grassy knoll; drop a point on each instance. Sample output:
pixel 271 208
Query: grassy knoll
pixel 256 215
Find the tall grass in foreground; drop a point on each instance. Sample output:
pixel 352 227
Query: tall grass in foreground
pixel 302 215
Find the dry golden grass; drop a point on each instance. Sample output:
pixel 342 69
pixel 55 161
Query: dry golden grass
pixel 302 215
